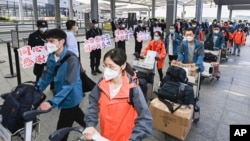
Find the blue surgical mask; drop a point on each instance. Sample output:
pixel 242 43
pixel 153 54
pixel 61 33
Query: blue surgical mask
pixel 156 38
pixel 171 30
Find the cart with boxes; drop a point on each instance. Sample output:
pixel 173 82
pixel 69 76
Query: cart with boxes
pixel 178 123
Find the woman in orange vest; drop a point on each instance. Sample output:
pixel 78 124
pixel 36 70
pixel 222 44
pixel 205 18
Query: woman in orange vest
pixel 111 101
pixel 157 45
pixel 239 40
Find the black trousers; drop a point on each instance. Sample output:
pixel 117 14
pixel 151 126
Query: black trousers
pixel 138 47
pixel 68 116
pixel 160 74
pixel 172 57
pixel 122 45
pixel 95 58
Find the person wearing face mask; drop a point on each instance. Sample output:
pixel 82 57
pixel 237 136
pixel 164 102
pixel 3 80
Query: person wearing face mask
pixel 172 43
pixel 66 78
pixel 95 55
pixel 37 39
pixel 211 26
pixel 71 41
pixel 138 45
pixel 159 46
pixel 191 50
pixel 198 31
pixel 217 38
pixel 121 44
pixel 239 40
pixel 119 120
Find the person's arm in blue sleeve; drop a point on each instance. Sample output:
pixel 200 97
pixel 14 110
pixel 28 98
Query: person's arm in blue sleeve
pixel 223 42
pixel 199 61
pixel 180 53
pixel 47 76
pixel 177 39
pixel 143 123
pixel 73 69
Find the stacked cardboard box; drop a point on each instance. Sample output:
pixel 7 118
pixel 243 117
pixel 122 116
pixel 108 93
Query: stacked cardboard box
pixel 176 124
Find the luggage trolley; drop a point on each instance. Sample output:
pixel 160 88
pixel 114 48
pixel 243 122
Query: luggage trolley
pixel 194 80
pixel 145 68
pixel 31 126
pixel 27 133
pixel 212 68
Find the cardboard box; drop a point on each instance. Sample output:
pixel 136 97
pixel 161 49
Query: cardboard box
pixel 190 67
pixel 177 124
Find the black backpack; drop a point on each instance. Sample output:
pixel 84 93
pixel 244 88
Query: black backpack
pixel 24 97
pixel 209 57
pixel 177 92
pixel 175 73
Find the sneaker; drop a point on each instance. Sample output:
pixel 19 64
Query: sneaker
pixel 238 55
pixel 93 72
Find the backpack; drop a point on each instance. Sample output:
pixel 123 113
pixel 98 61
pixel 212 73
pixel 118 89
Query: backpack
pixel 177 92
pixel 175 73
pixel 24 97
pixel 209 57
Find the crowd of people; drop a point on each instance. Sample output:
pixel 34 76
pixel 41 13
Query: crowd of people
pixel 184 41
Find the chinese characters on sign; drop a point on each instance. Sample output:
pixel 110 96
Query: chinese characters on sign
pixel 121 35
pixel 29 56
pixel 99 42
pixel 142 36
pixel 157 29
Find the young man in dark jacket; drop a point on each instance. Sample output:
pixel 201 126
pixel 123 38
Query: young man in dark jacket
pixel 138 45
pixel 95 55
pixel 37 39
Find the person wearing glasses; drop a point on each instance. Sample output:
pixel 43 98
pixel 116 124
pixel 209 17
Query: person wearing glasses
pixel 109 101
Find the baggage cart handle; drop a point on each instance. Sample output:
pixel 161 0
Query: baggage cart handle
pixel 31 115
pixel 59 134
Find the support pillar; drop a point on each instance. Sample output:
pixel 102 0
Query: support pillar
pixel 21 17
pixel 112 7
pixel 94 9
pixel 219 12
pixel 153 8
pixel 171 12
pixel 199 9
pixel 35 11
pixel 71 12
pixel 230 14
pixel 57 13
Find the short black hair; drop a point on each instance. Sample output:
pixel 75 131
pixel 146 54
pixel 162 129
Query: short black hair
pixel 56 34
pixel 190 29
pixel 70 24
pixel 216 26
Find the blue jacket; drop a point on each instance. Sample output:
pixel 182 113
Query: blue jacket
pixel 219 43
pixel 176 43
pixel 198 54
pixel 67 81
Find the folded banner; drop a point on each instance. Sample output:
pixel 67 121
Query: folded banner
pixel 29 56
pixel 99 42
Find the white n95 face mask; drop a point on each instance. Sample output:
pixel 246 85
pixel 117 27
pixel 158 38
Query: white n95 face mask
pixel 43 29
pixel 51 47
pixel 110 74
pixel 190 38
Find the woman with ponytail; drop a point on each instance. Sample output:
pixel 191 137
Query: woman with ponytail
pixel 110 100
